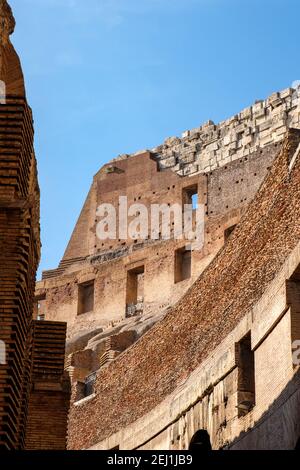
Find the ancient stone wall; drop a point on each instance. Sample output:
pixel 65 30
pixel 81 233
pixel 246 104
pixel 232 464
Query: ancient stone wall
pixel 19 249
pixel 227 164
pixel 211 146
pixel 243 290
pixel 225 192
pixel 199 151
pixel 244 148
pixel 19 256
pixel 48 404
pixel 208 399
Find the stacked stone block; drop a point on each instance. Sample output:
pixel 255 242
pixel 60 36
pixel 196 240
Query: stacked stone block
pixel 211 145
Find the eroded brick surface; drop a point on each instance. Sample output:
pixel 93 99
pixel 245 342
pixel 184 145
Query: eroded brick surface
pixel 21 426
pixel 213 311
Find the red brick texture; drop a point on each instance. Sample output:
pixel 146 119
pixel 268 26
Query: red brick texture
pixel 19 255
pixel 48 405
pixel 141 377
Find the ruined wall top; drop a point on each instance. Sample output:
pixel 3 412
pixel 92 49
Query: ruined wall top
pixel 211 145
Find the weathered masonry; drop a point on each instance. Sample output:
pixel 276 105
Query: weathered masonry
pixel 112 292
pixel 32 363
pixel 220 369
pixel 223 165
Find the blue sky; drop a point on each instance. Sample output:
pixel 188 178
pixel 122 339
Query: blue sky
pixel 106 77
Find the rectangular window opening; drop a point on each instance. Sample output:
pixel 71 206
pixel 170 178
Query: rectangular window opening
pixel 183 264
pixel 229 231
pixel 293 301
pixel 246 375
pixel 89 385
pixel 85 297
pixel 40 307
pixel 135 291
pixel 190 196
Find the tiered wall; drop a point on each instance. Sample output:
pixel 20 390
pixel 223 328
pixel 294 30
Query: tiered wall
pixel 19 257
pixel 48 405
pixel 243 289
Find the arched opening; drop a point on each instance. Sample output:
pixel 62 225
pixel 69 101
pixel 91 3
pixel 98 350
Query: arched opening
pixel 297 447
pixel 200 441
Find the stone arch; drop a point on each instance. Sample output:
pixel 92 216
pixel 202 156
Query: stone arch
pixel 200 441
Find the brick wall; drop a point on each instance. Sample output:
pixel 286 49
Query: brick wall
pixel 226 192
pixel 19 251
pixel 49 396
pixel 218 302
pixel 19 256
